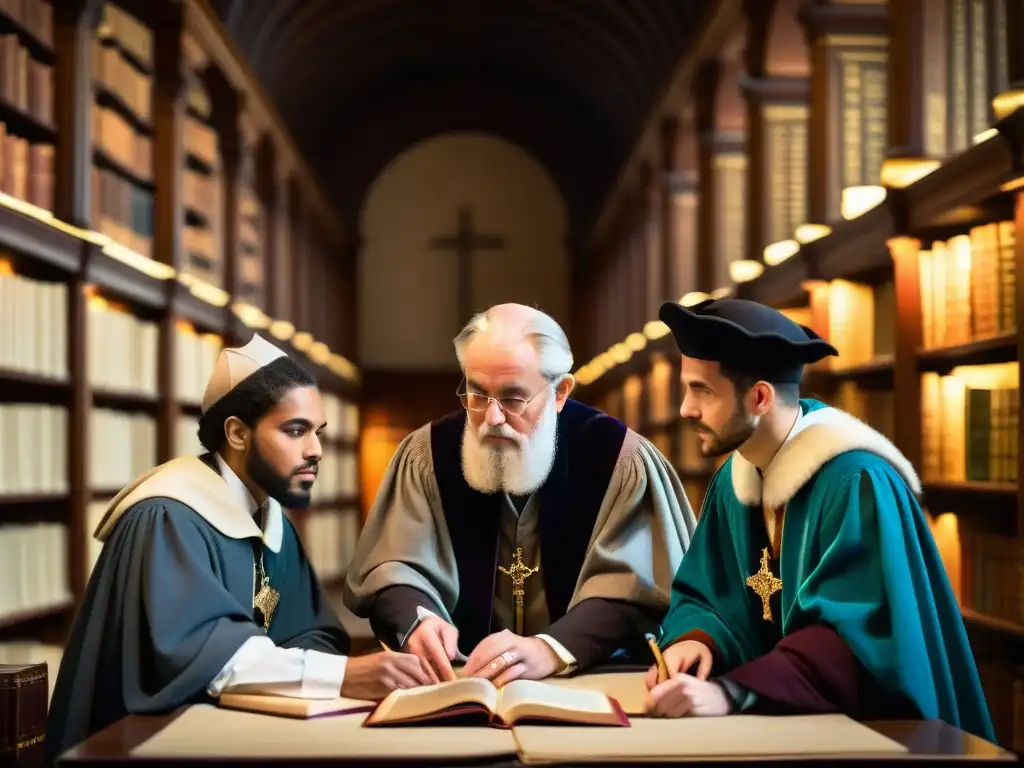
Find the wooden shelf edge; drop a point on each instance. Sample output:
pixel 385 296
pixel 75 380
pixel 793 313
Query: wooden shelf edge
pixel 995 349
pixel 12 620
pixel 1009 629
pixel 125 401
pixel 32 499
pixel 967 179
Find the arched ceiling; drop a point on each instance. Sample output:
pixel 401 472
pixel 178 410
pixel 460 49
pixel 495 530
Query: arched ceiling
pixel 572 81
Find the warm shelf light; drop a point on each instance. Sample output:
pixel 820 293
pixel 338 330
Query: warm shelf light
pixel 319 353
pixel 808 233
pixel 1007 103
pixel 900 172
pixel 745 270
pixel 607 361
pixel 342 367
pixel 693 298
pixel 776 253
pixel 636 341
pixel 138 262
pixel 655 329
pixel 302 341
pixel 859 200
pixel 251 315
pixel 620 353
pixel 721 293
pixel 281 330
pixel 985 135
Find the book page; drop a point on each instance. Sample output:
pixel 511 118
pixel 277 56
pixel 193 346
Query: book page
pixel 734 736
pixel 289 706
pixel 205 732
pixel 428 699
pixel 532 698
pixel 627 688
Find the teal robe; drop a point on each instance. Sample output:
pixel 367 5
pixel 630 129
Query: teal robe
pixel 856 556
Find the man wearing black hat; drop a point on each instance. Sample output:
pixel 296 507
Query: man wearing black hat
pixel 812 583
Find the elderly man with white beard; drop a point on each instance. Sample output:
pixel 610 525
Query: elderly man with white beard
pixel 525 534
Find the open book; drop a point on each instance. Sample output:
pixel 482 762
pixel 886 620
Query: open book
pixel 288 706
pixel 473 698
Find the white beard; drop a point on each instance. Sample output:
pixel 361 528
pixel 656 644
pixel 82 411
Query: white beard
pixel 520 468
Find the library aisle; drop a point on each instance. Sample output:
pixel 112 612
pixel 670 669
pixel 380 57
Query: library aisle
pixel 860 167
pixel 150 213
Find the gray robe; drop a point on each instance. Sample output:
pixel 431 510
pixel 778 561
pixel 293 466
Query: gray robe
pixel 643 528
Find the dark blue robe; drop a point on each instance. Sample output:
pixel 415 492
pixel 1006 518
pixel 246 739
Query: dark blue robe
pixel 168 604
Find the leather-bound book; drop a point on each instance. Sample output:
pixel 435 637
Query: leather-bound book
pixel 23 701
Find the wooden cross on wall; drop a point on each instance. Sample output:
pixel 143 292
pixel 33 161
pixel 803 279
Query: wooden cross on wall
pixel 465 243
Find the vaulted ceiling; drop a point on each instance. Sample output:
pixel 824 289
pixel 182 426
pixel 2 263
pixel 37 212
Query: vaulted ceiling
pixel 571 81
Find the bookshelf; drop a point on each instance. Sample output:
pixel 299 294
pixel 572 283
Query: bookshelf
pixel 895 231
pixel 173 217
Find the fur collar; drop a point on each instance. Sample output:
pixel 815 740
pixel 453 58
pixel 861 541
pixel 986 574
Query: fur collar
pixel 816 438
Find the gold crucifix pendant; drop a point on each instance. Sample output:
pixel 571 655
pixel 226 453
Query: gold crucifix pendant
pixel 765 584
pixel 267 598
pixel 519 572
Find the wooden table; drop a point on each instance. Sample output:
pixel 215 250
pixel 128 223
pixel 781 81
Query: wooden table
pixel 929 742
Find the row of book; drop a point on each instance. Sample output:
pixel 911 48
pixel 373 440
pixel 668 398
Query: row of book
pixel 337 476
pixel 121 349
pixel 25 83
pixel 122 211
pixel 120 27
pixel 122 446
pixel 113 72
pixel 26 169
pixel 968 286
pixel 992 575
pixel 33 567
pixel 116 137
pixel 34 15
pixel 342 417
pixel 33 325
pixel 195 355
pixel 329 537
pixel 200 192
pixel 970 424
pixel 33 449
pixel 201 141
pixel 1004 694
pixel 202 248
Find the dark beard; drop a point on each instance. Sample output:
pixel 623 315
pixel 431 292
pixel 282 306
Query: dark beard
pixel 277 487
pixel 735 433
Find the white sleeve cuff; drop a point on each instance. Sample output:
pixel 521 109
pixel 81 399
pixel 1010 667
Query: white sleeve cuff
pixel 567 659
pixel 323 675
pixel 260 667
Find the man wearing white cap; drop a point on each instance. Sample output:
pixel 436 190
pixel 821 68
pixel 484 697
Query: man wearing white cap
pixel 202 586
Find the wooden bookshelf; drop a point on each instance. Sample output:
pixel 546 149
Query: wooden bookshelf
pixel 132 249
pixel 908 188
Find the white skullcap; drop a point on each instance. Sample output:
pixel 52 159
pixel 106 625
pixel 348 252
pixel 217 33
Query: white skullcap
pixel 235 364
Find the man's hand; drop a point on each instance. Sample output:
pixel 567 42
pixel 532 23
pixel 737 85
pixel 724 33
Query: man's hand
pixel 376 675
pixel 684 695
pixel 505 656
pixel 435 642
pixel 679 658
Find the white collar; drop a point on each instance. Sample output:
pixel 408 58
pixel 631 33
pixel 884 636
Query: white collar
pixel 273 529
pixel 816 438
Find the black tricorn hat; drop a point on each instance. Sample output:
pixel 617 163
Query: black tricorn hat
pixel 746 337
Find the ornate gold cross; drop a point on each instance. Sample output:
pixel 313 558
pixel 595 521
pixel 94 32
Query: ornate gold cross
pixel 519 572
pixel 267 598
pixel 765 584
